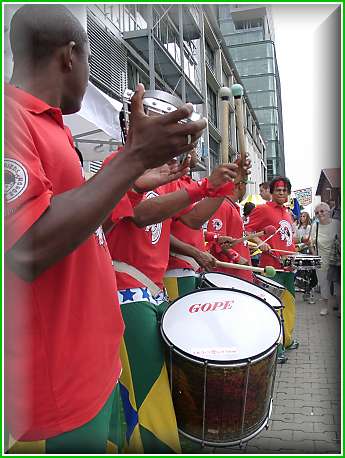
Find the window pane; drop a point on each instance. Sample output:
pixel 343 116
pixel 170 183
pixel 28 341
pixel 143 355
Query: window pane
pixel 255 67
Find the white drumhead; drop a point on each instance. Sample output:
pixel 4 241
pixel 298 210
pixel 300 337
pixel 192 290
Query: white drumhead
pixel 221 325
pixel 269 281
pixel 228 281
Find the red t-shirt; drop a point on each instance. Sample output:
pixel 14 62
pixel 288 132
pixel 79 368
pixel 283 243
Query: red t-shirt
pixel 227 221
pixel 184 233
pixel 279 217
pixel 146 249
pixel 62 330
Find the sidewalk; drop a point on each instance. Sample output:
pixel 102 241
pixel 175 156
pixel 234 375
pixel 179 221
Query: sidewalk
pixel 306 404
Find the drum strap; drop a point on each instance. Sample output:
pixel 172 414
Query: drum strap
pixel 189 259
pixel 133 272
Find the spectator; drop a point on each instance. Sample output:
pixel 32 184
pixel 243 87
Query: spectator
pixel 264 191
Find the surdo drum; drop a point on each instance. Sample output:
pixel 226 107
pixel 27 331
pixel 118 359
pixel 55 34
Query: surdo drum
pixel 221 357
pixel 301 261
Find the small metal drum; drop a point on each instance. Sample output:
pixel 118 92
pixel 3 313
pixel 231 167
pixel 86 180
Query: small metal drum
pixel 269 285
pixel 301 261
pixel 221 357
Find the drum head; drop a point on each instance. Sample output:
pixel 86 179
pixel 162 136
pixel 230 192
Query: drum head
pixel 221 325
pixel 270 282
pixel 221 280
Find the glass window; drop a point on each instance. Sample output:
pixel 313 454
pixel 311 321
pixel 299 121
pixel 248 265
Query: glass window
pixel 252 51
pixel 263 99
pixel 225 79
pixel 209 55
pixel 259 83
pixel 244 37
pixel 269 132
pixel 214 152
pixel 269 116
pixel 227 27
pixel 212 106
pixel 255 67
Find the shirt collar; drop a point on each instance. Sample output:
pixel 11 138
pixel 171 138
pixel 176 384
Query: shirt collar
pixel 32 103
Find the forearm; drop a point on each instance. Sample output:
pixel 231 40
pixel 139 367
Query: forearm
pixel 157 209
pixel 201 212
pixel 179 247
pixel 72 217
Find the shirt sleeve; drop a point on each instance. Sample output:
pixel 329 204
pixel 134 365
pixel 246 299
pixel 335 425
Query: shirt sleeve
pixel 28 190
pixel 218 222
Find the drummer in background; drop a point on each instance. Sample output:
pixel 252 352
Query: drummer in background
pixel 188 253
pixel 264 191
pixel 276 214
pixel 227 221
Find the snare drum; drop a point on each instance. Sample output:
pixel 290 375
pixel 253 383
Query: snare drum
pixel 222 348
pixel 220 280
pixel 269 285
pixel 301 261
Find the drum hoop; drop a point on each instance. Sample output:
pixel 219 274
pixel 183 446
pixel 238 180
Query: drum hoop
pixel 219 363
pixel 203 276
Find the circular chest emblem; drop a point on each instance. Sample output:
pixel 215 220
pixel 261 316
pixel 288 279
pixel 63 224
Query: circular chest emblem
pixel 16 179
pixel 217 224
pixel 155 229
pixel 285 231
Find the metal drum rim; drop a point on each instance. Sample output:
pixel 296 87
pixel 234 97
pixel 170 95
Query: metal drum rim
pixel 220 362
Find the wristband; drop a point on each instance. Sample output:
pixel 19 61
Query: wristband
pixel 197 190
pixel 233 256
pixel 211 236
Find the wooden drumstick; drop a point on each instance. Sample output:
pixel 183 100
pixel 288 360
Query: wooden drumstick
pixel 268 270
pixel 268 238
pixel 284 251
pixel 224 94
pixel 268 230
pixel 237 92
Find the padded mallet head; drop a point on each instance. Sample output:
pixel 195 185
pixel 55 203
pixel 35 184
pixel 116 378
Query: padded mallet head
pixel 224 93
pixel 270 271
pixel 237 90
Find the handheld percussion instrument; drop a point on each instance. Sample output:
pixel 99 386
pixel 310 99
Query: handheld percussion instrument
pixel 221 356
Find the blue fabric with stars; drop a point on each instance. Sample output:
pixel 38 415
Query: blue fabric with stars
pixel 140 295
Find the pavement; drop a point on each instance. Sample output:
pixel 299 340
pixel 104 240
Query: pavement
pixel 306 403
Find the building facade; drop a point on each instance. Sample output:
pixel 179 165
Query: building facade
pixel 249 35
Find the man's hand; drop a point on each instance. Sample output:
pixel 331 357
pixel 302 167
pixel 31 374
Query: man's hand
pixel 222 174
pixel 164 174
pixel 265 248
pixel 205 260
pixel 155 140
pixel 226 241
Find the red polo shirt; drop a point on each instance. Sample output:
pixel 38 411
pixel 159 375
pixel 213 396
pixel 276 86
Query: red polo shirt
pixel 185 233
pixel 227 221
pixel 278 216
pixel 63 330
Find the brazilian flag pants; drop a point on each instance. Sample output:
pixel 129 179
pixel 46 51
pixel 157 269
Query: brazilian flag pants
pixel 144 384
pixel 286 279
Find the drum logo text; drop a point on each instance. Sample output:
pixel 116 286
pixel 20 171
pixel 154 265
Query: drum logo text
pixel 211 306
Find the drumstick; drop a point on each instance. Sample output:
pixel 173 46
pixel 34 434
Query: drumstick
pixel 237 92
pixel 284 251
pixel 268 230
pixel 268 270
pixel 268 238
pixel 224 94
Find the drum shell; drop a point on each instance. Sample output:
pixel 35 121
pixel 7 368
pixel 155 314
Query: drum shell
pixel 221 404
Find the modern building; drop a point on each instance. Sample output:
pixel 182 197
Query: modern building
pixel 249 36
pixel 170 47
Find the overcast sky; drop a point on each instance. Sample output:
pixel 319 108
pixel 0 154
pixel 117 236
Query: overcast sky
pixel 298 33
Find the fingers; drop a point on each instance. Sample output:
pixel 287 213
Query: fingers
pixel 181 113
pixel 137 107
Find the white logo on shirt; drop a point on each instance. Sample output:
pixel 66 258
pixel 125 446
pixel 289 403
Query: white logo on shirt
pixel 100 236
pixel 16 179
pixel 217 224
pixel 285 231
pixel 156 229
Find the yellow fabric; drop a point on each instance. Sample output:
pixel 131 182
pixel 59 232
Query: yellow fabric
pixel 135 444
pixel 164 428
pixel 111 448
pixel 289 315
pixel 21 447
pixel 172 287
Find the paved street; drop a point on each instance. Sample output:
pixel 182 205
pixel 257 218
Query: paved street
pixel 306 408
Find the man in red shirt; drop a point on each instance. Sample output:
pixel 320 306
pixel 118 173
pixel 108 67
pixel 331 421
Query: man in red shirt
pixel 227 221
pixel 63 324
pixel 276 214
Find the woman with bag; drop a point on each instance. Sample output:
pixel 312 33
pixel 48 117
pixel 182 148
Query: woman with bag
pixel 325 239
